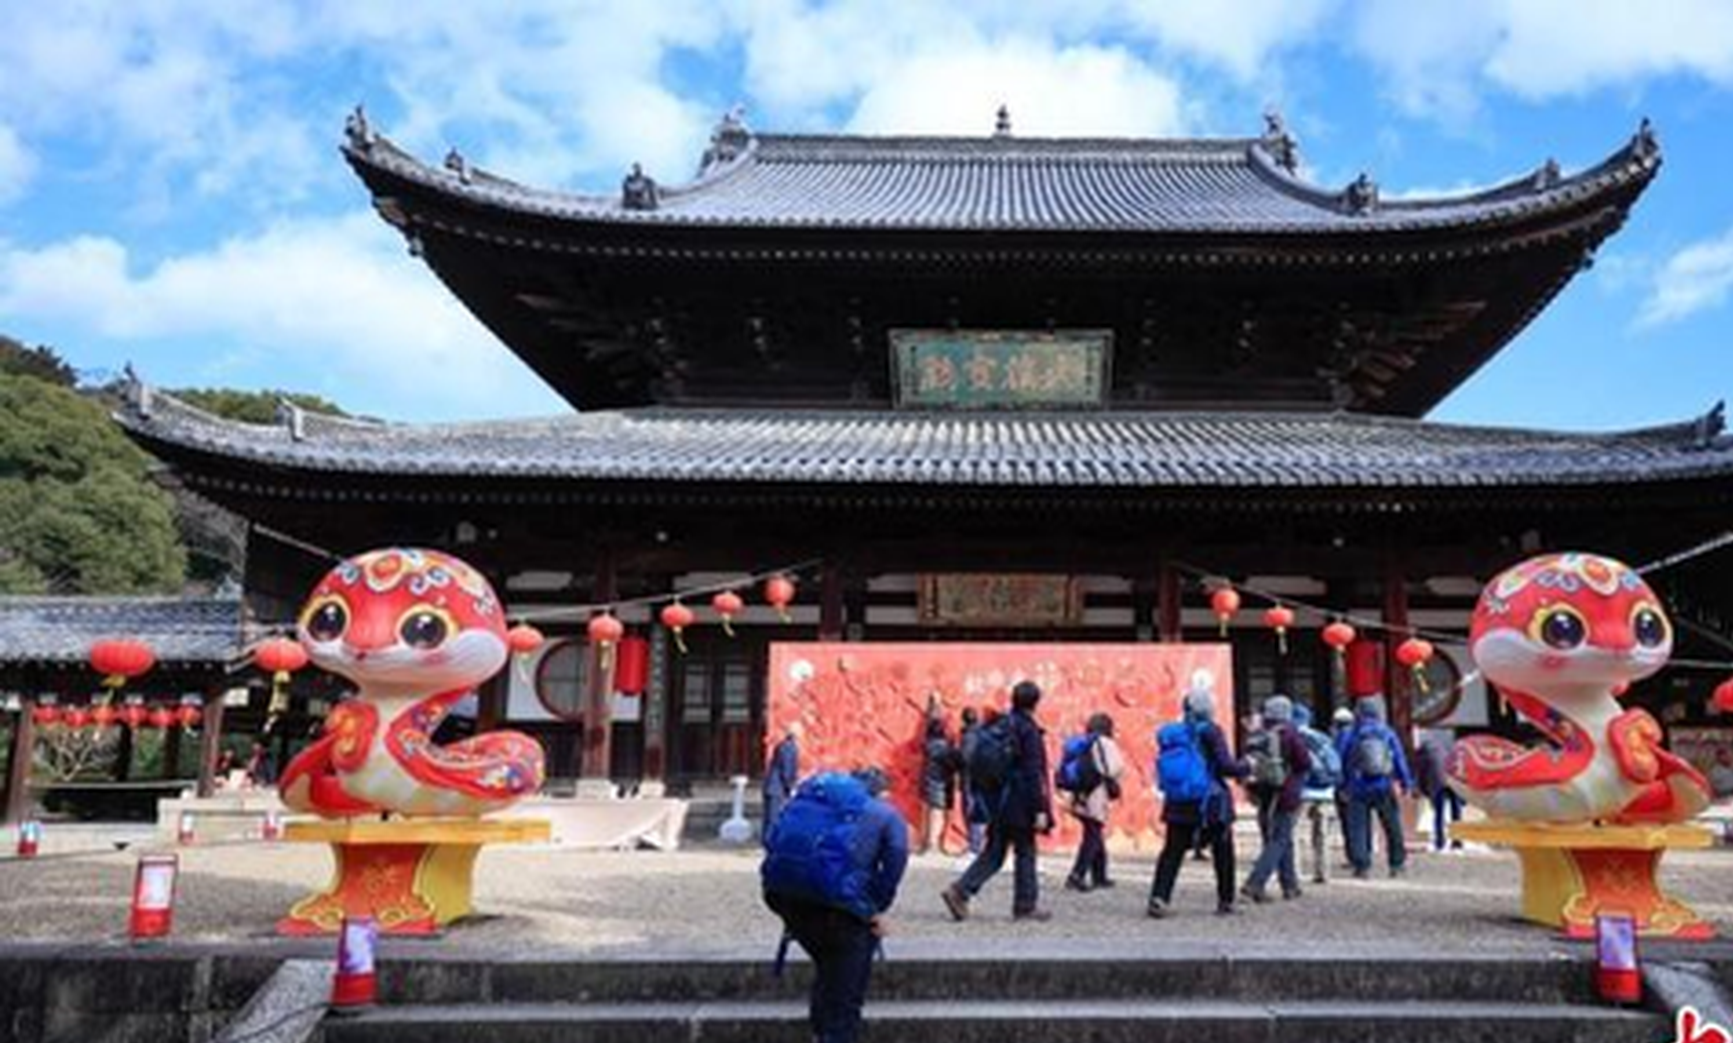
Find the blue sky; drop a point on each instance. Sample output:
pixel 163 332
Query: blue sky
pixel 171 194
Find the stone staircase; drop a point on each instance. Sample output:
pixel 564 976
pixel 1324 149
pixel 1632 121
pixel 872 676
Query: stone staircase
pixel 962 998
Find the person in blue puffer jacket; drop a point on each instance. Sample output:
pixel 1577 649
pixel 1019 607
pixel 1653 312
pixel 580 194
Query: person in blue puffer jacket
pixel 1376 773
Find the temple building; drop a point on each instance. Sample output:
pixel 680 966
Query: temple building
pixel 977 388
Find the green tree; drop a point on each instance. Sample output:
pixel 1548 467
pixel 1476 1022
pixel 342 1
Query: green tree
pixel 78 512
pixel 41 362
pixel 252 407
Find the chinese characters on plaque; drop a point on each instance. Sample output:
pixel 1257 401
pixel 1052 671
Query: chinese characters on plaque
pixel 1000 599
pixel 977 369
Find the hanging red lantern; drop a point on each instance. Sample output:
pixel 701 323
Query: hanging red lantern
pixel 118 659
pixel 1414 654
pixel 677 617
pixel 779 594
pixel 75 717
pixel 605 632
pixel 523 639
pixel 103 716
pixel 281 656
pixel 728 605
pixel 632 666
pixel 134 715
pixel 1279 618
pixel 45 715
pixel 160 717
pixel 188 716
pixel 1339 636
pixel 1723 698
pixel 1224 603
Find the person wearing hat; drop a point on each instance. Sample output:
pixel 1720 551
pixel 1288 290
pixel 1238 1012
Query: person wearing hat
pixel 1277 856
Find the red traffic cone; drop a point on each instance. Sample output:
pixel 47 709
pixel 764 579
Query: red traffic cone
pixel 153 896
pixel 29 838
pixel 356 984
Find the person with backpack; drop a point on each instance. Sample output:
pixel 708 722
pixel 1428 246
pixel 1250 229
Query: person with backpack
pixel 1285 748
pixel 1433 780
pixel 1318 795
pixel 781 775
pixel 1193 768
pixel 974 814
pixel 1089 774
pixel 938 775
pixel 833 863
pixel 1010 769
pixel 1376 773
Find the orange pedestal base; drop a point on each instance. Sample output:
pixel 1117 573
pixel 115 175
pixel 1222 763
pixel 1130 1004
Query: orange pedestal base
pixel 1572 873
pixel 410 877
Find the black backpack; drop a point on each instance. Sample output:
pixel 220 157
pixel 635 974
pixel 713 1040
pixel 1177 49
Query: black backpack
pixel 992 756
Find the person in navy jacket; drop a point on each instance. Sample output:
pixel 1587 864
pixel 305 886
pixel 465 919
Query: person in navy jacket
pixel 1016 814
pixel 781 776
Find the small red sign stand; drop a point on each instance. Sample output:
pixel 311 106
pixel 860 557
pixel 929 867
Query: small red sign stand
pixel 29 838
pixel 356 984
pixel 153 897
pixel 272 830
pixel 186 830
pixel 1618 970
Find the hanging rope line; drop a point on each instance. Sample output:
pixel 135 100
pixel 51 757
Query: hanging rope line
pixel 1706 547
pixel 584 611
pixel 1360 623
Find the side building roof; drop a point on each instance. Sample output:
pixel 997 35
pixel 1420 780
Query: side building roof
pixel 181 631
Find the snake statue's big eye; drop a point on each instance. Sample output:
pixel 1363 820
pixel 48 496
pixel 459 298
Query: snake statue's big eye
pixel 327 621
pixel 423 628
pixel 1649 627
pixel 1560 627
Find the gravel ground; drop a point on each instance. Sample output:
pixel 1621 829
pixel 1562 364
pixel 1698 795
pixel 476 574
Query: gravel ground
pixel 707 901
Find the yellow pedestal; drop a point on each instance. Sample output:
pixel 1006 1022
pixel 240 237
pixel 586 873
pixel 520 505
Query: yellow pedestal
pixel 1571 873
pixel 411 876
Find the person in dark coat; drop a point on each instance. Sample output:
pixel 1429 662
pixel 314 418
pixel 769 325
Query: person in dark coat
pixel 974 813
pixel 938 780
pixel 782 775
pixel 1211 818
pixel 1023 809
pixel 841 942
pixel 1433 781
pixel 1277 856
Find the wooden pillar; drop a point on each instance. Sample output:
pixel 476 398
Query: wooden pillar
pixel 210 742
pixel 1398 681
pixel 171 751
pixel 18 765
pixel 596 753
pixel 832 619
pixel 1168 627
pixel 123 755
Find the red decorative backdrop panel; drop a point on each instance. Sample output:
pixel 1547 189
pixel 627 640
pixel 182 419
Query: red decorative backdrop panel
pixel 865 704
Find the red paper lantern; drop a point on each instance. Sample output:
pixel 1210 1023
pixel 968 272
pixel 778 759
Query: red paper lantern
pixel 188 716
pixel 1723 699
pixel 1280 618
pixel 779 594
pixel 103 716
pixel 1224 603
pixel 677 617
pixel 134 715
pixel 523 639
pixel 118 659
pixel 45 716
pixel 728 605
pixel 75 717
pixel 1414 654
pixel 160 717
pixel 632 666
pixel 1339 636
pixel 605 631
pixel 281 656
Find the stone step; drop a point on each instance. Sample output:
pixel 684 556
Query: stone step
pixel 1104 974
pixel 1099 1021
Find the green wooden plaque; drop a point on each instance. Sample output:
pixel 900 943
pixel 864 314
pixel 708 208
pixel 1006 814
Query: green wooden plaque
pixel 1000 369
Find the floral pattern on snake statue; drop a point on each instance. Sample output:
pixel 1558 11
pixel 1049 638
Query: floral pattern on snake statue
pixel 415 631
pixel 1562 637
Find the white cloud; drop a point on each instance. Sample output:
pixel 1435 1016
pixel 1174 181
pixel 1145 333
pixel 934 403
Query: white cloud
pixel 17 166
pixel 335 295
pixel 1437 58
pixel 1695 279
pixel 1050 92
pixel 1241 37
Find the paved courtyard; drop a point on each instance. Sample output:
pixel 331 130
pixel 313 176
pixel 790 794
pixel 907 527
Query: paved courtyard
pixel 706 901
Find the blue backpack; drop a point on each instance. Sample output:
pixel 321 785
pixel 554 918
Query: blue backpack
pixel 1181 769
pixel 1078 772
pixel 1326 770
pixel 809 853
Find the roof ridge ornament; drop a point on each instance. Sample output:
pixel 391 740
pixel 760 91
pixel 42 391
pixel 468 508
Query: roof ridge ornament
pixel 1282 146
pixel 293 418
pixel 729 140
pixel 1002 122
pixel 638 191
pixel 457 164
pixel 135 392
pixel 1710 425
pixel 359 132
pixel 1361 196
pixel 1645 145
pixel 1548 176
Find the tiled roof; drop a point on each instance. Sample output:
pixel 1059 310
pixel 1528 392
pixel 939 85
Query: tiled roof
pixel 1008 450
pixel 1014 183
pixel 199 630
